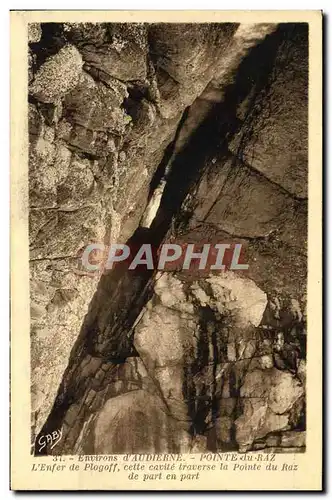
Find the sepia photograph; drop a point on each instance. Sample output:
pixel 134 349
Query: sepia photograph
pixel 167 206
pixel 155 133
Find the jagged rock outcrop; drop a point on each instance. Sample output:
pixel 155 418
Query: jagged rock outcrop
pixel 97 135
pixel 187 361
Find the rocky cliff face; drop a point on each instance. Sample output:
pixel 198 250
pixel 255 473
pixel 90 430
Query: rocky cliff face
pixel 185 360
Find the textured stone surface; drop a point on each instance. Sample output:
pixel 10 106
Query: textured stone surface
pixel 269 129
pixel 186 361
pixel 58 75
pixel 240 296
pixel 34 32
pixel 268 399
pixel 150 428
pixel 120 50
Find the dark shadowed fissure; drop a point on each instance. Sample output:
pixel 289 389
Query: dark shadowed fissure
pixel 107 332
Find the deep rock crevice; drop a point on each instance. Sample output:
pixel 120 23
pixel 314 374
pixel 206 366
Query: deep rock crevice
pixel 196 356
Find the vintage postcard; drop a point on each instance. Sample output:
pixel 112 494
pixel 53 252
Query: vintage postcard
pixel 166 250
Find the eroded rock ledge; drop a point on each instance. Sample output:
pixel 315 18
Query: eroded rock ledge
pixel 185 361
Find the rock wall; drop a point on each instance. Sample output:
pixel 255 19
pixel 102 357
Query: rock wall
pixel 185 360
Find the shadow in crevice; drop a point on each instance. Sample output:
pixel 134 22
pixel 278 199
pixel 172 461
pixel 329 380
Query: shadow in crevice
pixel 121 294
pixel 51 41
pixel 254 77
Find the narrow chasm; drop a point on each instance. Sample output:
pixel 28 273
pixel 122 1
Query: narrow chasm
pixel 158 146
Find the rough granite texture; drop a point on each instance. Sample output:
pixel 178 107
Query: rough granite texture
pixel 186 361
